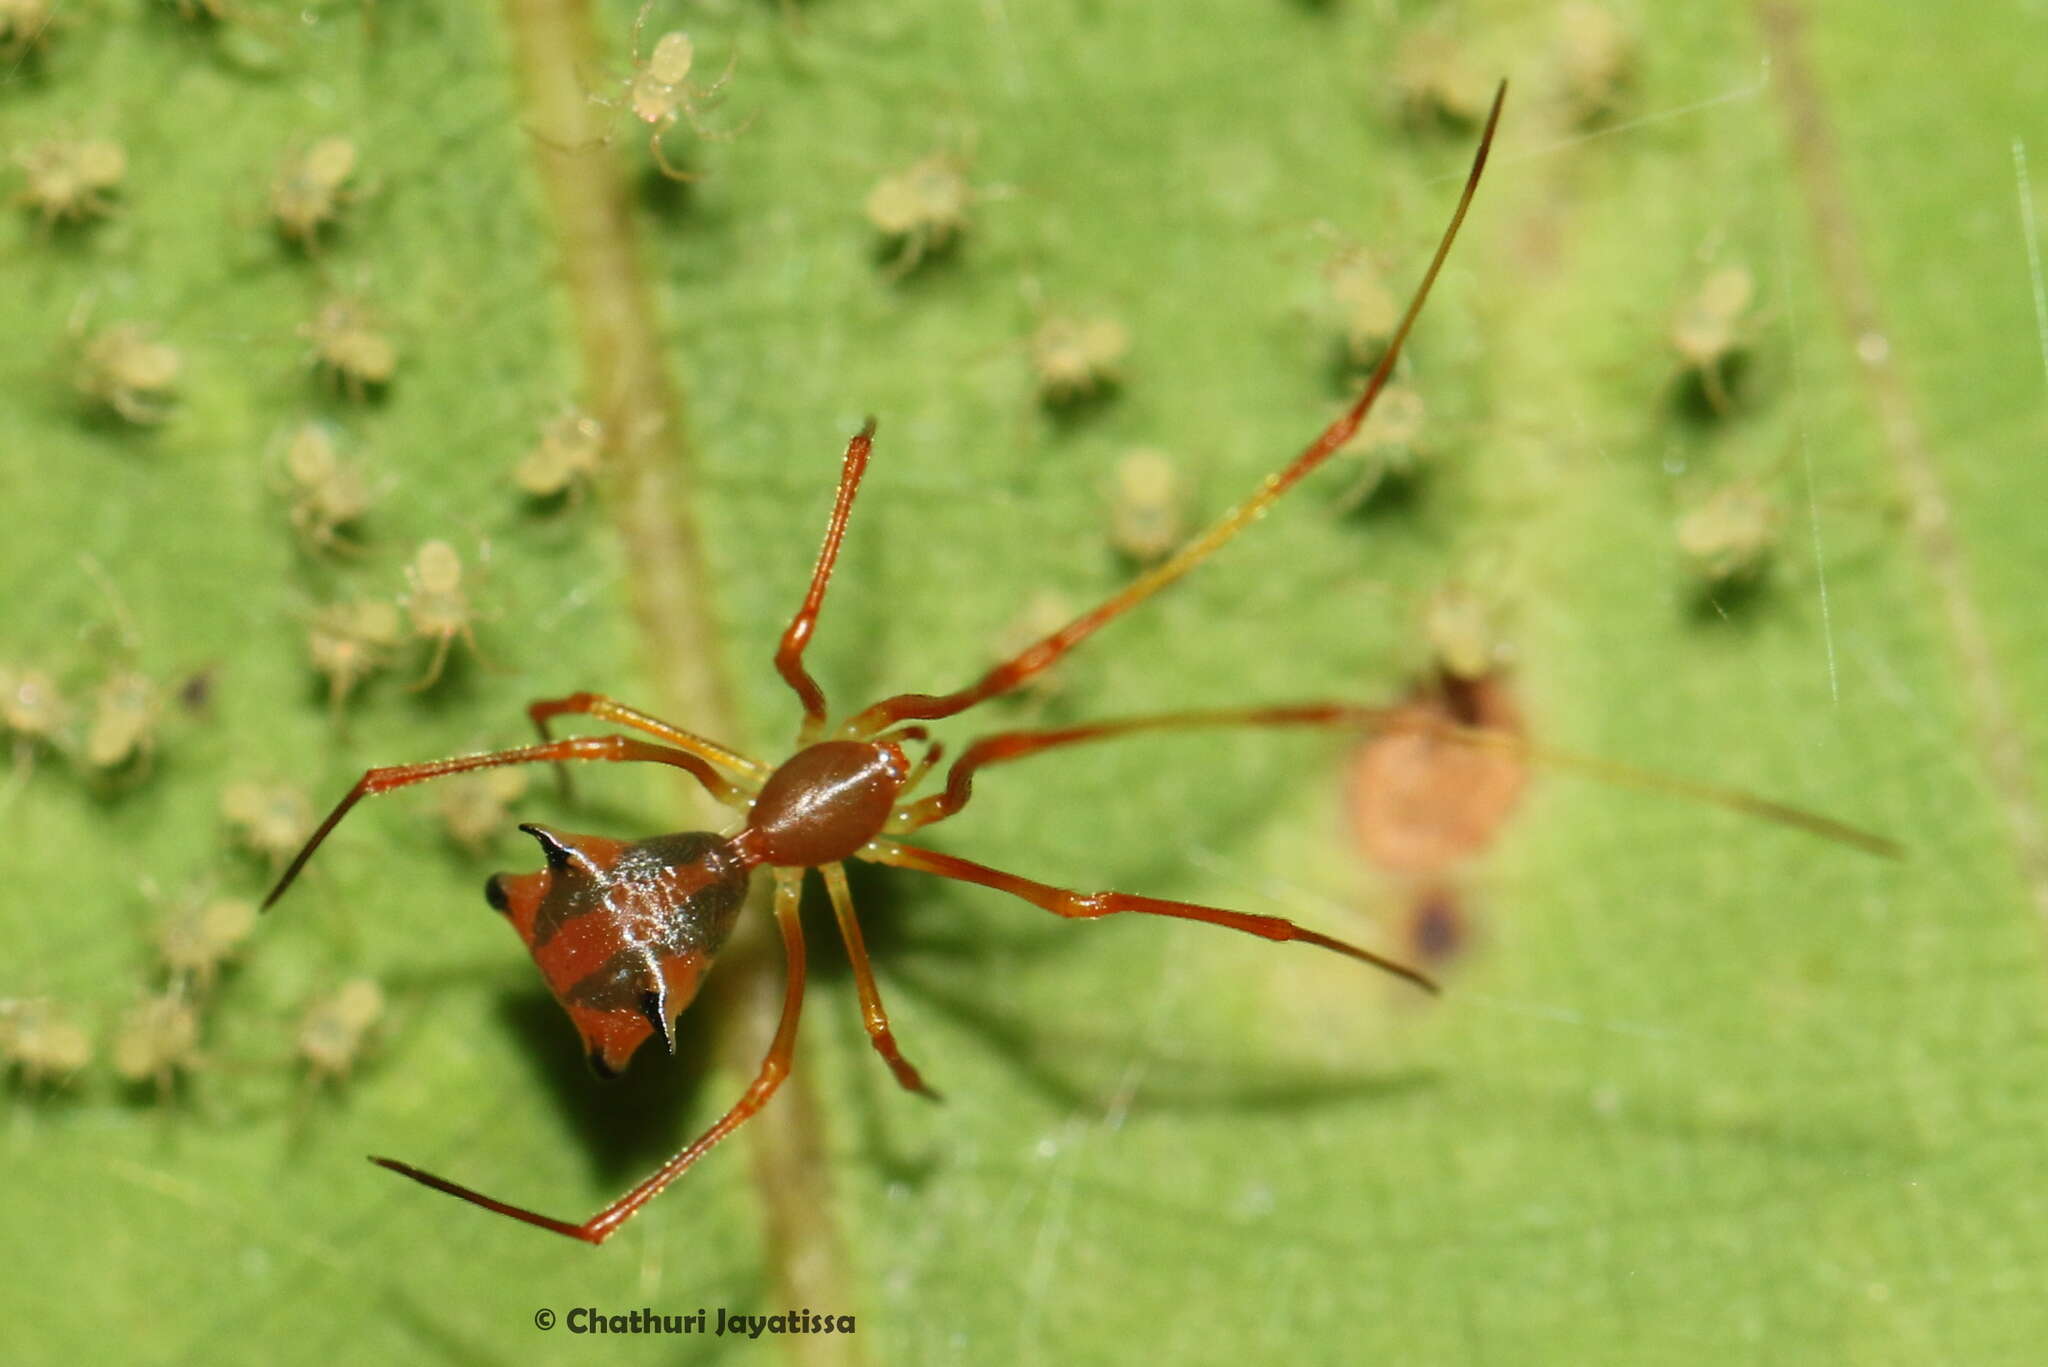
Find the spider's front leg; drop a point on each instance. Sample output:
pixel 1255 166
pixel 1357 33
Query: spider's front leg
pixel 610 749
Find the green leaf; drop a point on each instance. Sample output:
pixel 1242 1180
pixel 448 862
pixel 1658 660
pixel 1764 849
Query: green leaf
pixel 1699 1086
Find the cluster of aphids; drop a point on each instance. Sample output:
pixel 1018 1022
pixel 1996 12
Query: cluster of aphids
pixel 194 938
pixel 49 1048
pixel 1727 533
pixel 193 942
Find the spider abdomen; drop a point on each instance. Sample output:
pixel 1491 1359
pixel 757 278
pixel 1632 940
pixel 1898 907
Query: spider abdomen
pixel 623 931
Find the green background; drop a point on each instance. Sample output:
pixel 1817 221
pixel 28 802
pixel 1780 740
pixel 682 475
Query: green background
pixel 1701 1089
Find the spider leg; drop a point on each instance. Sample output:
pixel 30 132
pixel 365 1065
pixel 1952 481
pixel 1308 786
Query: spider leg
pixel 1005 746
pixel 871 1013
pixel 714 134
pixel 436 665
pixel 614 749
pixel 750 771
pixel 661 160
pixel 1041 655
pixel 1088 905
pixel 774 1067
pixel 789 656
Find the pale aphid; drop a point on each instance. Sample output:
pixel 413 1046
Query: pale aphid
pixel 1366 308
pixel 125 370
pixel 32 710
pixel 1437 80
pixel 121 730
pixel 1463 634
pixel 40 1038
pixel 70 180
pixel 350 346
pixel 567 457
pixel 1076 357
pixel 333 1031
pixel 158 1038
pixel 660 95
pixel 25 27
pixel 311 188
pixel 1147 505
pixel 349 641
pixel 1596 60
pixel 200 934
pixel 1709 329
pixel 437 604
pixel 267 819
pixel 921 209
pixel 1729 535
pixel 474 807
pixel 329 493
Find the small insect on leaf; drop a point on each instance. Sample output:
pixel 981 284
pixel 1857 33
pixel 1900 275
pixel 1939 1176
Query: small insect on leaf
pixel 350 347
pixel 157 1039
pixel 1728 537
pixel 349 641
pixel 269 820
pixel 200 934
pixel 335 1028
pixel 25 29
pixel 70 181
pixel 438 606
pixel 1464 637
pixel 1077 358
pixel 1709 333
pixel 33 711
pixel 311 188
pixel 660 95
pixel 329 493
pixel 921 210
pixel 1596 60
pixel 41 1040
pixel 121 731
pixel 1147 506
pixel 1436 80
pixel 567 458
pixel 123 369
pixel 1365 306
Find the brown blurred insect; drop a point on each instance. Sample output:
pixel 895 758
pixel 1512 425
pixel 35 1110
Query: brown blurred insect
pixel 623 931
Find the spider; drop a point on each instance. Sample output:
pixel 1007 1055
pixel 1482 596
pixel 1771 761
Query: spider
pixel 623 931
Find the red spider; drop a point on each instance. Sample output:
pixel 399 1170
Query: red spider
pixel 624 930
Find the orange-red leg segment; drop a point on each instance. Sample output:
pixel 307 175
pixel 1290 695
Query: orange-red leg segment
pixel 1088 905
pixel 750 771
pixel 789 656
pixel 871 1013
pixel 613 749
pixel 1006 746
